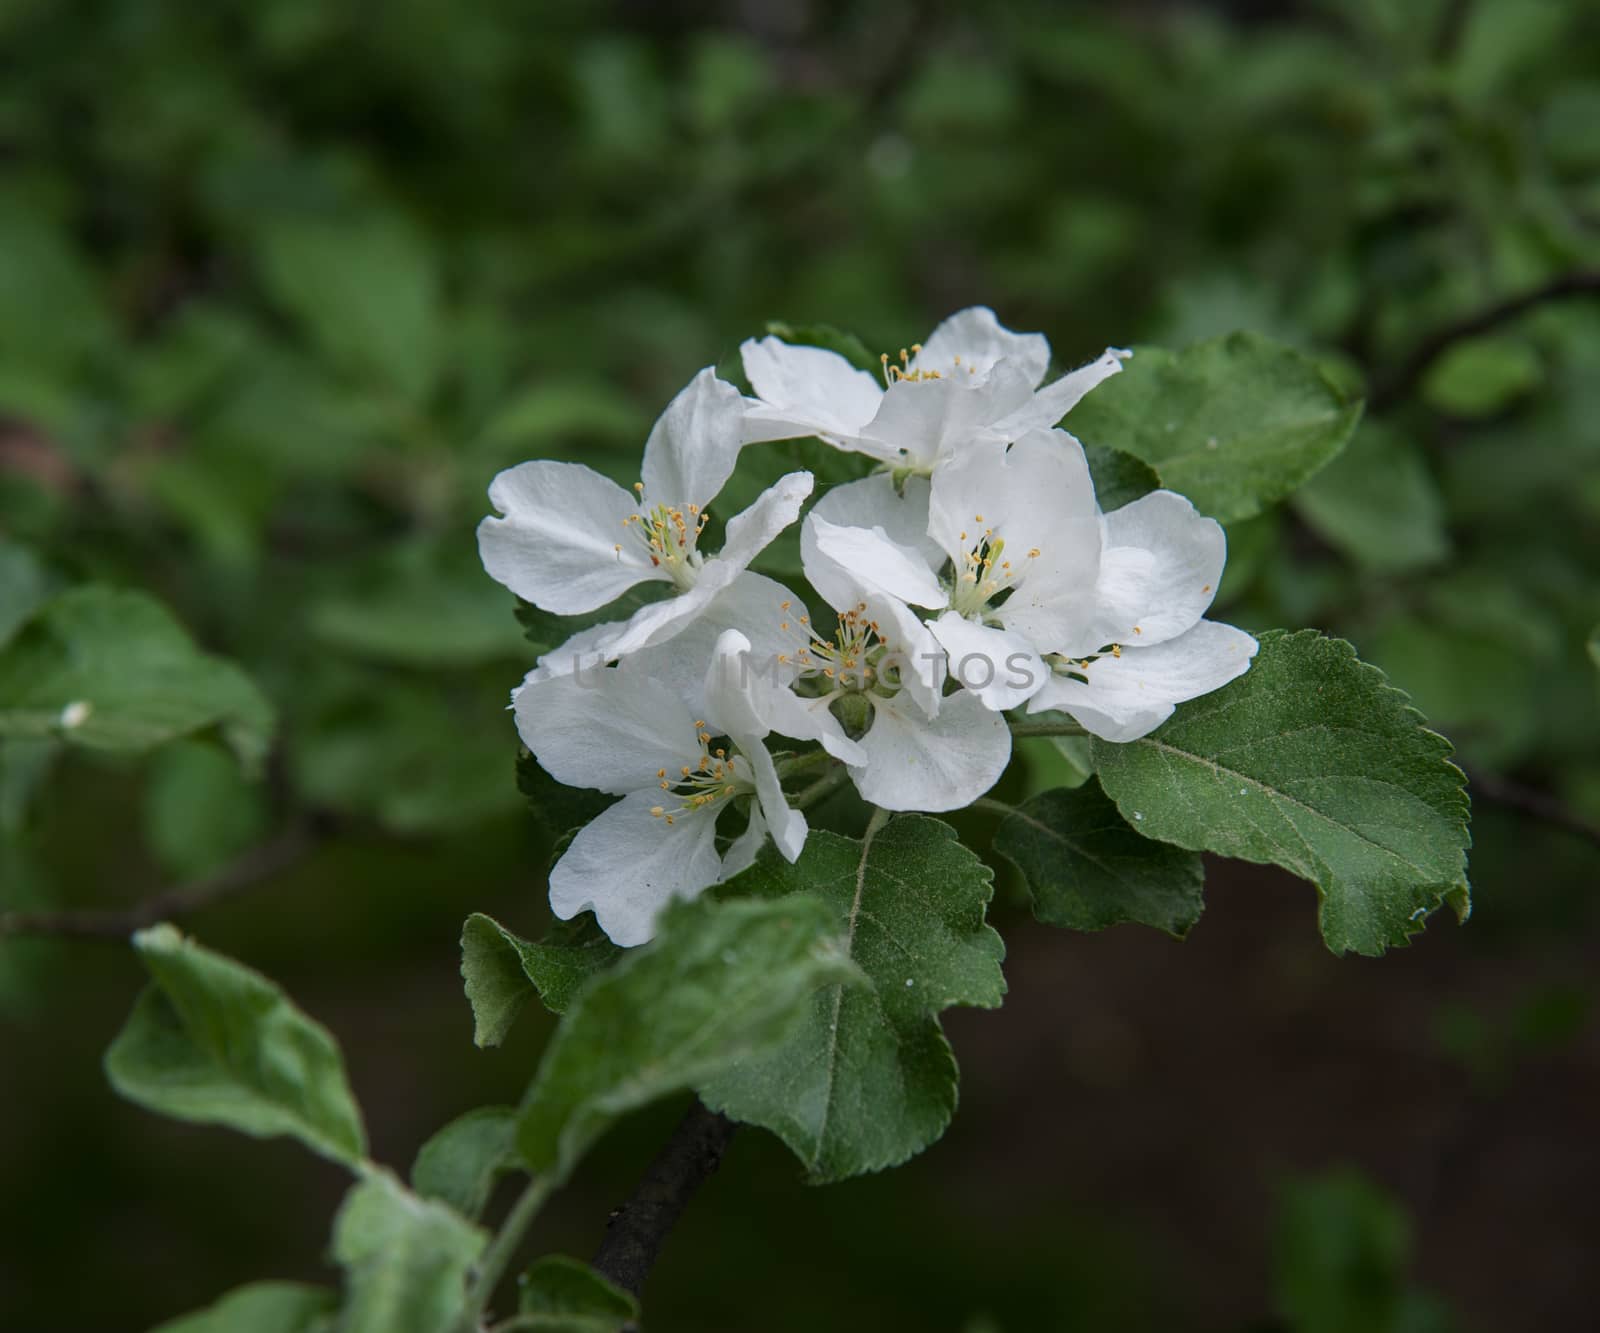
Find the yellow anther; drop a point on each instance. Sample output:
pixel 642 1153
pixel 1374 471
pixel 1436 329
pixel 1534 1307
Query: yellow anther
pixel 1116 650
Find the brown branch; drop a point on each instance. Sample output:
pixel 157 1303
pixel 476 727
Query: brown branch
pixel 254 867
pixel 636 1231
pixel 1391 389
pixel 1534 803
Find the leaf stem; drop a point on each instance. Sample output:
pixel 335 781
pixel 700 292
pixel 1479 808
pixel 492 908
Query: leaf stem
pixel 824 786
pixel 502 1249
pixel 1046 729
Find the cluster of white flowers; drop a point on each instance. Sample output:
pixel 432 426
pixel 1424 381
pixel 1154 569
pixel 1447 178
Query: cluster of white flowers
pixel 972 574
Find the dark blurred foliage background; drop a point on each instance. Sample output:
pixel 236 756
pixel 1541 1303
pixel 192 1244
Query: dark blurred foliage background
pixel 283 284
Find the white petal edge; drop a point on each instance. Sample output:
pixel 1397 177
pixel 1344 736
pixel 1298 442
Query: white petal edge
pixel 752 530
pixel 978 338
pixel 944 764
pixel 1001 667
pixel 805 391
pixel 561 543
pixel 694 445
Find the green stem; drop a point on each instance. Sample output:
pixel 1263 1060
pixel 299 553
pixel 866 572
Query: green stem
pixel 993 806
pixel 502 1249
pixel 1046 729
pixel 824 786
pixel 797 764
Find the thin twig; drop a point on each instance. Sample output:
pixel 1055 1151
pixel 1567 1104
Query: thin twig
pixel 637 1230
pixel 1391 389
pixel 255 867
pixel 1537 804
pixel 502 1250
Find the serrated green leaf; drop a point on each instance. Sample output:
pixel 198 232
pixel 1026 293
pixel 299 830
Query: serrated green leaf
pixel 868 1079
pixel 722 983
pixel 561 1295
pixel 1378 503
pixel 406 1259
pixel 364 289
pixel 261 1307
pixel 502 971
pixel 1119 478
pixel 459 1165
pixel 111 669
pixel 214 1042
pixel 830 339
pixel 1235 423
pixel 1313 762
pixel 1088 869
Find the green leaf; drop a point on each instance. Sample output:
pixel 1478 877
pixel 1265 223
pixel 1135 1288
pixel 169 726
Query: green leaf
pixel 1313 762
pixel 1594 646
pixel 215 1042
pixel 830 339
pixel 502 970
pixel 561 1295
pixel 1088 869
pixel 1378 504
pixel 545 630
pixel 261 1307
pixel 719 985
pixel 1341 1257
pixel 1235 423
pixel 112 670
pixel 364 289
pixel 459 1165
pixel 200 811
pixel 869 1080
pixel 406 1259
pixel 1481 377
pixel 1119 478
pixel 24 585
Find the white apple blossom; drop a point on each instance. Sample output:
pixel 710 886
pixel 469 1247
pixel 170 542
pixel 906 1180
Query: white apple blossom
pixel 972 380
pixel 620 731
pixel 570 540
pixel 1041 597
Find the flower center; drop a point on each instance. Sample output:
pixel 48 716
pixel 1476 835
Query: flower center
pixel 903 373
pixel 854 659
pixel 985 573
pixel 1077 668
pixel 711 777
pixel 669 534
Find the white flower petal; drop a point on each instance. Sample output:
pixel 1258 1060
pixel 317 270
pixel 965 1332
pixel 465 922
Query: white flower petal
pixel 604 729
pixel 694 445
pixel 747 698
pixel 923 422
pixel 977 337
pixel 1129 696
pixel 661 621
pixel 872 561
pixel 874 502
pixel 1159 570
pixel 742 854
pixel 627 864
pixel 1001 667
pixel 557 545
pixel 921 658
pixel 788 826
pixel 587 650
pixel 917 764
pixel 1036 496
pixel 753 604
pixel 749 533
pixel 805 391
pixel 1055 400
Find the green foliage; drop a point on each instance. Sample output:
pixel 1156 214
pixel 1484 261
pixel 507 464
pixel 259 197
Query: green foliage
pixel 459 1165
pixel 502 970
pixel 200 810
pixel 867 1079
pixel 405 1259
pixel 1481 377
pixel 1378 504
pixel 1313 762
pixel 1235 424
pixel 1119 478
pixel 112 670
pixel 561 1295
pixel 262 1307
pixel 1088 869
pixel 1343 1248
pixel 720 985
pixel 214 1042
